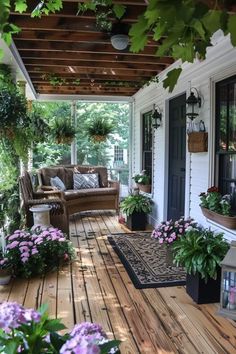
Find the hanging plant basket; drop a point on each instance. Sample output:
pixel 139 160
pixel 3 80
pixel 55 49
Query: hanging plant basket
pixel 224 220
pixel 64 140
pixel 99 138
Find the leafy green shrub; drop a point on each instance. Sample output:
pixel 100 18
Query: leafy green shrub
pixel 136 203
pixel 200 250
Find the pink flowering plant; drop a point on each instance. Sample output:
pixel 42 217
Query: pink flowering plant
pixel 36 251
pixel 168 232
pixel 28 331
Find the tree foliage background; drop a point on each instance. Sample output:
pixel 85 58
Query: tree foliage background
pixel 49 153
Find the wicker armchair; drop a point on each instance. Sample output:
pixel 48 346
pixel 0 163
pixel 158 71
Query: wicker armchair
pixel 58 212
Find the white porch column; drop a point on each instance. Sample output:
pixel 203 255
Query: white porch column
pixel 73 144
pixel 22 88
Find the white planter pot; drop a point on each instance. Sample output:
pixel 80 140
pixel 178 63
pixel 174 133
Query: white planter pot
pixel 41 215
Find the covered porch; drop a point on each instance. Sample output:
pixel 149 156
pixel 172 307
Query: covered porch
pixel 97 288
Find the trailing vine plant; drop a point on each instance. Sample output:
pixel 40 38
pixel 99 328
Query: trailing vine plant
pixel 182 28
pixel 8 29
pixel 104 10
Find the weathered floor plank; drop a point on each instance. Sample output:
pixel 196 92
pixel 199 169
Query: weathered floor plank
pixel 96 287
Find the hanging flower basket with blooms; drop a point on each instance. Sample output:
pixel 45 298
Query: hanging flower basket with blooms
pixel 29 331
pixel 168 232
pixel 36 251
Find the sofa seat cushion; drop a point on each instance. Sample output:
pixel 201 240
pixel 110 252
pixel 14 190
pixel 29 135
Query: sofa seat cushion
pixel 72 194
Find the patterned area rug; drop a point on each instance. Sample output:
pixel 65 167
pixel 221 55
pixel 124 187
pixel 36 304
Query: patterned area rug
pixel 145 260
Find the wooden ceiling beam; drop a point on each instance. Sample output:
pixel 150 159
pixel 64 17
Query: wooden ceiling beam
pixel 72 36
pixel 74 64
pixel 89 77
pixel 93 48
pixel 103 72
pixel 106 58
pixel 87 87
pixel 86 92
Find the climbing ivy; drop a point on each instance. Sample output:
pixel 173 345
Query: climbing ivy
pixel 104 10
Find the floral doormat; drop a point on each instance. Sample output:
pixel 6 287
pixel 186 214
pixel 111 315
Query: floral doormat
pixel 145 260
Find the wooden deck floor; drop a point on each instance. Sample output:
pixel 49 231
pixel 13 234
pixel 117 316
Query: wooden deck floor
pixel 97 288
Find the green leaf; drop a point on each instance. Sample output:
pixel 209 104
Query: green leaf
pixel 57 340
pixel 54 325
pixel 171 79
pixel 119 10
pixel 11 346
pixel 232 29
pixel 197 25
pixel 43 309
pixel 106 347
pixel 186 53
pixel 138 35
pixel 20 6
pixel 212 20
pixel 159 30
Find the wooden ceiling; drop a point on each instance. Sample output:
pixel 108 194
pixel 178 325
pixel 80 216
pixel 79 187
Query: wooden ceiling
pixel 71 47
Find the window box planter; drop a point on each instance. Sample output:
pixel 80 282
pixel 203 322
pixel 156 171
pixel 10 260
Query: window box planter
pixel 224 220
pixel 137 221
pixel 202 292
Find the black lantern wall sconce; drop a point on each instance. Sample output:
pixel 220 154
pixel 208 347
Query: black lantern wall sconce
pixel 156 117
pixel 194 102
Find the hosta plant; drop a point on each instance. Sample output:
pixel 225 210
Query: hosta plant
pixel 136 203
pixel 200 251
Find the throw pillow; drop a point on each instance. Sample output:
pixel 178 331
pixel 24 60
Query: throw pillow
pixel 85 181
pixel 57 182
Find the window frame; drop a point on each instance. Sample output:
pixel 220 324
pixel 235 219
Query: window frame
pixel 220 180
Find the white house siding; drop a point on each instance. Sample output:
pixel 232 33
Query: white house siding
pixel 220 64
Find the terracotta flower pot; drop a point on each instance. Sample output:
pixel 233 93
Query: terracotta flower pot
pixel 224 220
pixel 144 187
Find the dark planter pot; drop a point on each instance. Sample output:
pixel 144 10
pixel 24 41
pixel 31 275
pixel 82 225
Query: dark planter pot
pixel 201 292
pixel 137 221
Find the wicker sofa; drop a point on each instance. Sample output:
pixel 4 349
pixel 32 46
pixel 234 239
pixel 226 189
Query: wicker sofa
pixel 104 197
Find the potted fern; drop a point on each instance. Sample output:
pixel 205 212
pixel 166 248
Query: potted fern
pixel 200 251
pixel 136 207
pixel 99 129
pixel 63 132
